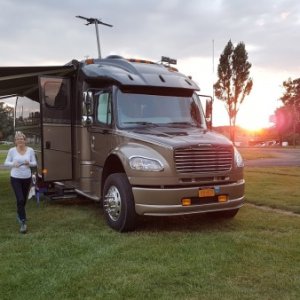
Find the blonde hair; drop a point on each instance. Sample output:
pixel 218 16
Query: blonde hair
pixel 20 134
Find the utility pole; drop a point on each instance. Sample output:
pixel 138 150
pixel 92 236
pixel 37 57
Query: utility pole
pixel 213 67
pixel 96 22
pixel 213 75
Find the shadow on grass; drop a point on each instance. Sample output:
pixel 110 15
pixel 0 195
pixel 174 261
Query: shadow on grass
pixel 184 223
pixel 187 223
pixel 79 201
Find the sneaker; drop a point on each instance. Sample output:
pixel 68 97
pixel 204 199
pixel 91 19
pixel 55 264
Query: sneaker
pixel 19 220
pixel 23 228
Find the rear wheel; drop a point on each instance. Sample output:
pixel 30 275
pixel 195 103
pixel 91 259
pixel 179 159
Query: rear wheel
pixel 118 203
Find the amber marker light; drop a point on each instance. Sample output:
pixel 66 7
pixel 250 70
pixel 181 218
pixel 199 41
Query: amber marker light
pixel 89 61
pixel 186 202
pixel 222 198
pixel 45 171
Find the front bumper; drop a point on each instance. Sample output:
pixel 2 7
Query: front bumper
pixel 167 201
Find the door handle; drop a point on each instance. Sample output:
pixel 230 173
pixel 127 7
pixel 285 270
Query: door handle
pixel 48 145
pixel 93 142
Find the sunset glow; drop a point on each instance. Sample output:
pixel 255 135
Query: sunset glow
pixel 257 108
pixel 254 117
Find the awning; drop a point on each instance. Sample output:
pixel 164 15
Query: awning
pixel 23 81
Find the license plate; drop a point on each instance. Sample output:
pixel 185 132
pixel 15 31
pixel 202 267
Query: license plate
pixel 206 193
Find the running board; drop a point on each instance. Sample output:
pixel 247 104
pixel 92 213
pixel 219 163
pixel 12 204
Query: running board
pixel 63 197
pixel 87 195
pixel 62 192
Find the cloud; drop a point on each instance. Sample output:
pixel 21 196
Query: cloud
pixel 34 32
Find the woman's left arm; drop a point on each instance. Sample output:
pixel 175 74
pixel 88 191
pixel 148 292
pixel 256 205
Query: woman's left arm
pixel 32 162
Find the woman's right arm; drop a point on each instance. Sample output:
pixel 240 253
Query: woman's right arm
pixel 9 162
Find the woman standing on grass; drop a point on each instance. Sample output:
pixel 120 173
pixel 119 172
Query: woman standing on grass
pixel 20 158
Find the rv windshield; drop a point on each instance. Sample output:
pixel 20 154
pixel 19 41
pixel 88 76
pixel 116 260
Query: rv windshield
pixel 136 110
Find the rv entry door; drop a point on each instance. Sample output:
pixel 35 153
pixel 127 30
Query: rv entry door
pixel 56 128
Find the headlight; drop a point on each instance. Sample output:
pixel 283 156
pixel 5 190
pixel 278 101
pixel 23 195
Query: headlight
pixel 238 158
pixel 145 164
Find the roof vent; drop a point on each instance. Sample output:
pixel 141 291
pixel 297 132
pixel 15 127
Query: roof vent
pixel 188 82
pixel 114 57
pixel 161 78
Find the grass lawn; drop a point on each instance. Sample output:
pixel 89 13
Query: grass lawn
pixel 276 187
pixel 2 157
pixel 5 147
pixel 70 253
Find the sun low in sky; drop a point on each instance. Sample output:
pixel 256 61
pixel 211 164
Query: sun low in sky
pixel 257 108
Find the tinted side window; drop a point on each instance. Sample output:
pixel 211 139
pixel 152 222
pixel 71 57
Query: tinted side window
pixel 103 113
pixel 56 95
pixel 56 101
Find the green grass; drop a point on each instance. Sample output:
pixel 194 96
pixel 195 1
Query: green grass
pixel 5 147
pixel 2 157
pixel 70 253
pixel 276 187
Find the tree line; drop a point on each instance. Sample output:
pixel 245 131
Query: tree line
pixel 233 85
pixel 287 117
pixel 6 121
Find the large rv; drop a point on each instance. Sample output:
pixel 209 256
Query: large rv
pixel 131 134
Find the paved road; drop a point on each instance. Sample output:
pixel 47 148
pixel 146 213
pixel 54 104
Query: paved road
pixel 284 157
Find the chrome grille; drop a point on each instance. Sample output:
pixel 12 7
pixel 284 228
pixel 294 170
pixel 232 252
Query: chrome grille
pixel 203 159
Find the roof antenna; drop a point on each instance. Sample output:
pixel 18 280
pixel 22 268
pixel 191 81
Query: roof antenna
pixel 96 22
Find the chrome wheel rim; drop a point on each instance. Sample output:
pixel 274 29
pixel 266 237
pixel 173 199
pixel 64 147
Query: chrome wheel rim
pixel 112 203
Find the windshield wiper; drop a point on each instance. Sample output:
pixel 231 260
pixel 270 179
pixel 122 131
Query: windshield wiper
pixel 143 123
pixel 183 124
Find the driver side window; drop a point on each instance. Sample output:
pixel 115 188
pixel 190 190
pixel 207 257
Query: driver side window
pixel 103 113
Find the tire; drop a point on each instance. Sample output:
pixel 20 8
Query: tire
pixel 225 214
pixel 118 203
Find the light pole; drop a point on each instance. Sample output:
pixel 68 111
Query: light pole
pixel 96 22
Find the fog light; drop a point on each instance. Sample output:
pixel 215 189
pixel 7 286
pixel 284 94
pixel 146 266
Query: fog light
pixel 186 202
pixel 223 198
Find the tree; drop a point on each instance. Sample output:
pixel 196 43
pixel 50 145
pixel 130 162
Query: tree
pixel 234 83
pixel 291 102
pixel 291 96
pixel 6 121
pixel 283 123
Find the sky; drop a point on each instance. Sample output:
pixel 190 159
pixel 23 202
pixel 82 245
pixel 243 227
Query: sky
pixel 195 32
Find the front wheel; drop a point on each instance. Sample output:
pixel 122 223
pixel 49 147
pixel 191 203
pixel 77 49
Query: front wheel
pixel 118 203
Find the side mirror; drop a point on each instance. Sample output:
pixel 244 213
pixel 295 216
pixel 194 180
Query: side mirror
pixel 87 108
pixel 208 112
pixel 208 108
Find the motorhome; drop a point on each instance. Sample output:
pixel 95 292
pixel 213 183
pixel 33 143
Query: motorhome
pixel 131 134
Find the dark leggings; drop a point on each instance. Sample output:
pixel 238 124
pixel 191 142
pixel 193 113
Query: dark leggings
pixel 21 188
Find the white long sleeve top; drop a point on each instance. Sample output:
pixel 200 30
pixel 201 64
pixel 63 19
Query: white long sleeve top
pixel 15 158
